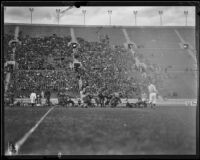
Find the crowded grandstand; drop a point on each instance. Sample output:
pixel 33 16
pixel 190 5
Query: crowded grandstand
pixel 106 64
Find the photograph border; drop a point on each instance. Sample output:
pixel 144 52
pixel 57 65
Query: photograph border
pixel 196 4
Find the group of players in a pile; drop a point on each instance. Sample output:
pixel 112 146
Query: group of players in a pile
pixel 101 99
pixel 86 100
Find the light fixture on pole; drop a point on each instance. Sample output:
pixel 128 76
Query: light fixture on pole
pixel 58 14
pixel 109 13
pixel 160 13
pixel 186 14
pixel 84 12
pixel 31 10
pixel 135 13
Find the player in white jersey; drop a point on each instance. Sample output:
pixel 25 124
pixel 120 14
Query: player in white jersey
pixel 80 83
pixel 33 98
pixel 144 97
pixel 82 94
pixel 152 94
pixel 12 149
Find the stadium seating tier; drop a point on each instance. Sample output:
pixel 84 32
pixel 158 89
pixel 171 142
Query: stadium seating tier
pixel 157 46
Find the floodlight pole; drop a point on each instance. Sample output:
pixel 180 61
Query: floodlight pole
pixel 31 10
pixel 135 13
pixel 186 14
pixel 84 12
pixel 109 13
pixel 58 14
pixel 160 13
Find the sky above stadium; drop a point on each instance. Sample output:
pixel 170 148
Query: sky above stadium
pixel 146 16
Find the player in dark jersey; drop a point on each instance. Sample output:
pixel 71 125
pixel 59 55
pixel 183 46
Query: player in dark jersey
pixel 87 100
pixel 48 95
pixel 128 105
pixel 69 101
pixel 79 103
pixel 108 99
pixel 97 100
pixel 101 99
pixel 38 100
pixel 115 100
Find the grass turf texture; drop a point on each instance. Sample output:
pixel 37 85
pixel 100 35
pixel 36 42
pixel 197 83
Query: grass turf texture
pixel 164 130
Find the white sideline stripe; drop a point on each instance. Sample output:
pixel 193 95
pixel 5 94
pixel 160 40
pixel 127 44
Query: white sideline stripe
pixel 19 143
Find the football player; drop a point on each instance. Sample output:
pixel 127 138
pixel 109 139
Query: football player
pixel 152 94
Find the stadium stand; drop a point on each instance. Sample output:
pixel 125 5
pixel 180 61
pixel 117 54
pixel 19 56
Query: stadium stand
pixel 153 37
pixel 44 59
pixel 41 31
pixel 94 34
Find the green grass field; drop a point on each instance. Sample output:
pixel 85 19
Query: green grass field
pixel 107 131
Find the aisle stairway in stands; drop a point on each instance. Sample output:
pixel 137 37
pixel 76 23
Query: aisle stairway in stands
pixel 192 52
pixel 8 75
pixel 190 48
pixel 73 35
pixel 7 80
pixel 128 41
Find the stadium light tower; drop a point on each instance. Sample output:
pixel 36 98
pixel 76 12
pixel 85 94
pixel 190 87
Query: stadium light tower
pixel 135 13
pixel 186 14
pixel 84 12
pixel 58 14
pixel 109 13
pixel 160 13
pixel 31 10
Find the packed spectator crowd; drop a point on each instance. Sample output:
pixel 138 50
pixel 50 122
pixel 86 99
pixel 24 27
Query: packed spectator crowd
pixel 35 53
pixel 43 63
pixel 110 67
pixel 29 80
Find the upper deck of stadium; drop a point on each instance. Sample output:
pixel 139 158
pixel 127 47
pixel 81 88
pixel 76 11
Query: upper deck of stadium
pixel 138 34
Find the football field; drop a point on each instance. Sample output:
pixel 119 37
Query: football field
pixel 102 131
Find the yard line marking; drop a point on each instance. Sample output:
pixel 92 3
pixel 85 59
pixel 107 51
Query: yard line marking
pixel 19 143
